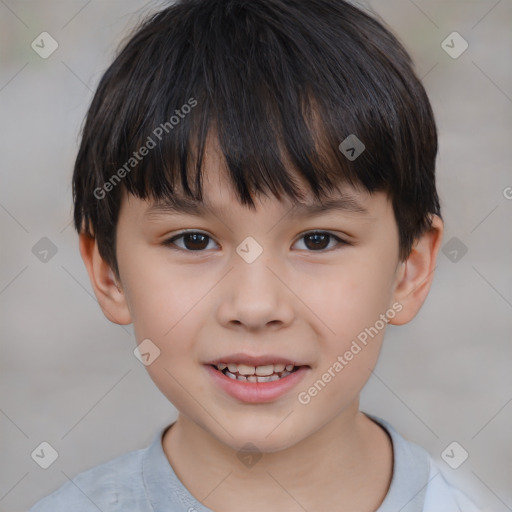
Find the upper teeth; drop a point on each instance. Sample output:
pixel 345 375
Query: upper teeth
pixel 263 370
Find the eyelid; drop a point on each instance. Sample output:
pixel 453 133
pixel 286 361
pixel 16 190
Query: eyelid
pixel 169 241
pixel 341 241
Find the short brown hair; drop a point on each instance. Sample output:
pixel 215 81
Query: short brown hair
pixel 260 72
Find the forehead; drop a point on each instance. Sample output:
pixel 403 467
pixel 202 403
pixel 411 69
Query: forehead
pixel 222 203
pixel 219 192
pixel 219 196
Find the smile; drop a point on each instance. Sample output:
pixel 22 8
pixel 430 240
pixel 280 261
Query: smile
pixel 256 383
pixel 263 373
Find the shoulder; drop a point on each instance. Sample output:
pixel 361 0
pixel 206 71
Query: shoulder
pixel 440 496
pixel 104 487
pixel 417 481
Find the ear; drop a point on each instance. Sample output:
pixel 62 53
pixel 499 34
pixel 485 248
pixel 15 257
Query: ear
pixel 110 296
pixel 415 275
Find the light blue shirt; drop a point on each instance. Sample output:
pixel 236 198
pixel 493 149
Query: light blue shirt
pixel 144 481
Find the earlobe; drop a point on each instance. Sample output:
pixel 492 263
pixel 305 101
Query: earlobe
pixel 109 293
pixel 415 276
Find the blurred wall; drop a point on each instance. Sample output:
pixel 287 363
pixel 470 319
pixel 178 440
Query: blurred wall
pixel 69 376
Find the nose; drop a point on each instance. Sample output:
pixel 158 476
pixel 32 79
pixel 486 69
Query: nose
pixel 256 296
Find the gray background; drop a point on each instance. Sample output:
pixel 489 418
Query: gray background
pixel 69 376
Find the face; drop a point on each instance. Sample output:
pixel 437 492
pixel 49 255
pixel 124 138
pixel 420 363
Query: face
pixel 259 290
pixel 263 325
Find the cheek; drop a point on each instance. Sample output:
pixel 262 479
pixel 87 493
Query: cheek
pixel 352 297
pixel 168 311
pixel 162 297
pixel 170 307
pixel 351 306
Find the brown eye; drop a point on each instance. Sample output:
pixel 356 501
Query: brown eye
pixel 193 241
pixel 318 241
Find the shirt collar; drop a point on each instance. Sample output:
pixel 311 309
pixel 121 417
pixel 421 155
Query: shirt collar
pixel 164 491
pixel 411 470
pixel 409 481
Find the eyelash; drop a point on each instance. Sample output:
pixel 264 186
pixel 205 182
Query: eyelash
pixel 170 242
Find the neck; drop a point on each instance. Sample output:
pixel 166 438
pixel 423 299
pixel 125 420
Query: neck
pixel 349 453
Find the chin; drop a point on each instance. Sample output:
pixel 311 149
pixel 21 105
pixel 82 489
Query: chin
pixel 259 435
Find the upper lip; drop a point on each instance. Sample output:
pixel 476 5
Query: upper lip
pixel 250 360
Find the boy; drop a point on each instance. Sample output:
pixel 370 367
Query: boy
pixel 255 192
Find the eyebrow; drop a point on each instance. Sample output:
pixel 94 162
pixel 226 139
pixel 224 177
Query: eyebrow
pixel 181 205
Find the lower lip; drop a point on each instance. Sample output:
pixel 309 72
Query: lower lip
pixel 257 392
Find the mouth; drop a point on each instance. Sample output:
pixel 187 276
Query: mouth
pixel 256 381
pixel 261 373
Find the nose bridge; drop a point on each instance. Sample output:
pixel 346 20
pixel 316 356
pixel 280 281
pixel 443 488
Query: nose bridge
pixel 252 276
pixel 255 296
